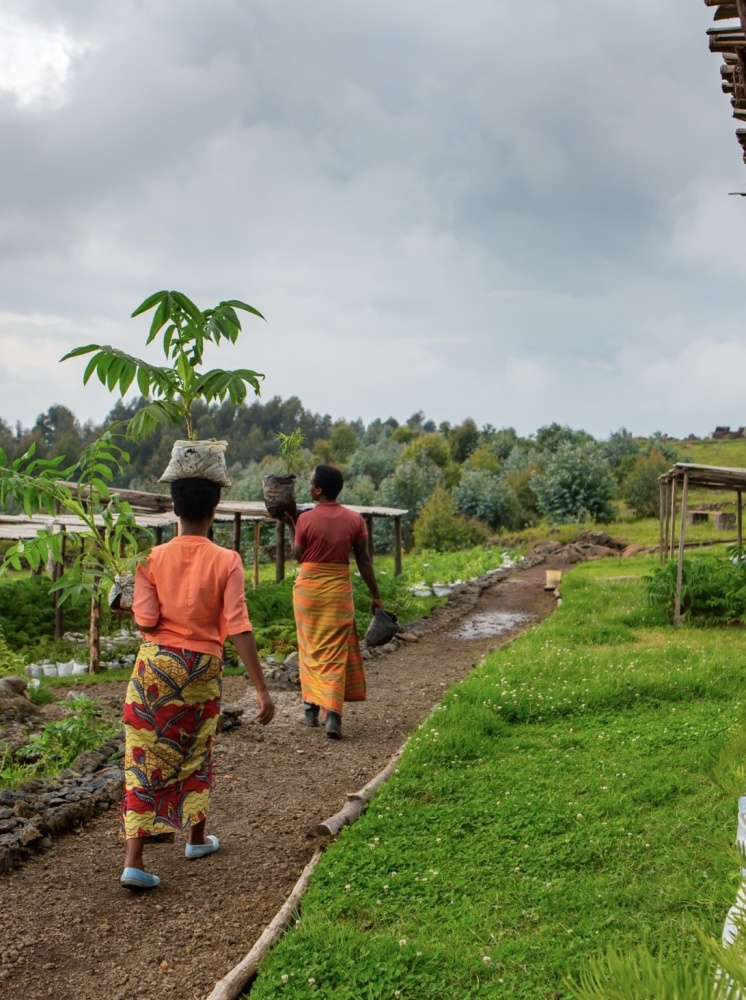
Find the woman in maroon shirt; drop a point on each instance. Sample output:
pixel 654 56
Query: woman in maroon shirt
pixel 331 667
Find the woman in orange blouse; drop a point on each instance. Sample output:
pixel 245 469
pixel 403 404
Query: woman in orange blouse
pixel 189 595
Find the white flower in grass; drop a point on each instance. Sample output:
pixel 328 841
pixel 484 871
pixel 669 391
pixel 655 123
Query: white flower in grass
pixel 402 942
pixel 486 959
pixel 284 977
pixel 311 981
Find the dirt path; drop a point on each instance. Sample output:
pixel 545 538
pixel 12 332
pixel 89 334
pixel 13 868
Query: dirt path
pixel 67 928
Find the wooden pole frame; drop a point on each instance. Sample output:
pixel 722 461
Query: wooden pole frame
pixel 680 567
pixel 674 490
pixel 280 553
pixel 397 546
pixel 59 622
pixel 237 533
pixel 257 532
pixel 368 518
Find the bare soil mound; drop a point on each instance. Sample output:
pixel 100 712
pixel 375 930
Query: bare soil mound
pixel 67 928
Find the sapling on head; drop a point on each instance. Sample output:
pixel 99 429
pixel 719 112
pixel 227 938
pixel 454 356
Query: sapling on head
pixel 172 390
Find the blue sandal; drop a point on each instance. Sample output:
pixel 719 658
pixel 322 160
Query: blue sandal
pixel 200 850
pixel 133 878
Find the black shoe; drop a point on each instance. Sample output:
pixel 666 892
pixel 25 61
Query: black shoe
pixel 333 725
pixel 310 715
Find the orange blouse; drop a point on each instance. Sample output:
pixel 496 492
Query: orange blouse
pixel 189 594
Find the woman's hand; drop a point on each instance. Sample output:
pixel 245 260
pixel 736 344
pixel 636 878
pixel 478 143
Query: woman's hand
pixel 375 602
pixel 266 707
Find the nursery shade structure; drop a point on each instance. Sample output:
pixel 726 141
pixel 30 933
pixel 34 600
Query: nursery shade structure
pixel 729 41
pixel 686 476
pixel 155 511
pixel 254 511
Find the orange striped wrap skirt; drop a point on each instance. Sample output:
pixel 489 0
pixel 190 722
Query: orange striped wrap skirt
pixel 329 660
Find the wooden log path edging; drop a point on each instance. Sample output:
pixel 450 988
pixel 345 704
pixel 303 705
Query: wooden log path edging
pixel 231 986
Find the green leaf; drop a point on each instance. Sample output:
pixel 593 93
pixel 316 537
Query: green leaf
pixel 160 317
pixel 245 306
pixel 148 303
pixel 143 382
pixel 188 307
pixel 159 412
pixel 90 368
pixel 79 351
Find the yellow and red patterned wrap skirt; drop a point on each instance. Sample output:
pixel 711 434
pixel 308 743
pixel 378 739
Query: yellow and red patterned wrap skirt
pixel 171 712
pixel 329 660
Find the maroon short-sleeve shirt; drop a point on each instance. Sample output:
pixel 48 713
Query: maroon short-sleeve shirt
pixel 328 533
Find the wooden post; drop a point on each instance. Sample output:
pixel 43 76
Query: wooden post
pixel 661 518
pixel 739 516
pixel 674 489
pixel 397 545
pixel 257 530
pixel 237 532
pixel 59 568
pixel 94 633
pixel 159 535
pixel 280 552
pixel 741 8
pixel 680 568
pixel 368 518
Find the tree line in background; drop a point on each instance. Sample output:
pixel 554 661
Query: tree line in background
pixel 460 483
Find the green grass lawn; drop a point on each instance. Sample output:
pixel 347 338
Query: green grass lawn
pixel 557 802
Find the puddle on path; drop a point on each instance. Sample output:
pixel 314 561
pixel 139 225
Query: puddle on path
pixel 485 624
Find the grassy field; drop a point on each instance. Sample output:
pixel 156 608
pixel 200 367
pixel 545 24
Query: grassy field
pixel 709 452
pixel 558 801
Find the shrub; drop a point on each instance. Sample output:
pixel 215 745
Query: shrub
pixel 57 746
pixel 10 663
pixel 713 589
pixel 409 489
pixel 640 489
pixel 484 495
pixel 27 611
pixel 441 528
pixel 376 460
pixel 575 485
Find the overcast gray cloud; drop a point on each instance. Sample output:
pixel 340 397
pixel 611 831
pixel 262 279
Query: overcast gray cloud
pixel 518 215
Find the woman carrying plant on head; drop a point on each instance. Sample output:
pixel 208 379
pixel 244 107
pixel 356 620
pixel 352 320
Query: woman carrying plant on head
pixel 331 667
pixel 189 595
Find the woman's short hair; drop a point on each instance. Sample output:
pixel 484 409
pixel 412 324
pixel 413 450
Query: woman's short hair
pixel 329 480
pixel 194 499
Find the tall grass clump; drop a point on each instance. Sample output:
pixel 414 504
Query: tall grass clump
pixel 713 588
pixel 555 805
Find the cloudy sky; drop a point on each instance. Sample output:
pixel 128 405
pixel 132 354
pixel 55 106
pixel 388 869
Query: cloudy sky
pixel 515 213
